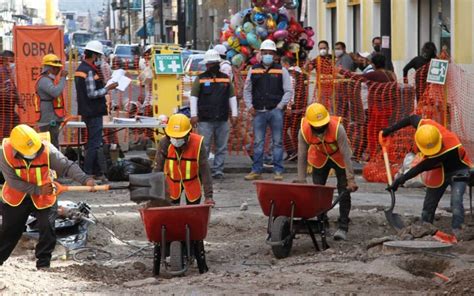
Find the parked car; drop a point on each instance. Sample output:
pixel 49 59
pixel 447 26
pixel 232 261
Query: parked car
pixel 192 68
pixel 125 56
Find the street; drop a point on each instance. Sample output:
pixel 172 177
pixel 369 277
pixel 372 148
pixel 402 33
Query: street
pixel 241 262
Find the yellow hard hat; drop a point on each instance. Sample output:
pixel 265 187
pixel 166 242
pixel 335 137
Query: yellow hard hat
pixel 178 126
pixel 317 115
pixel 428 139
pixel 25 140
pixel 51 60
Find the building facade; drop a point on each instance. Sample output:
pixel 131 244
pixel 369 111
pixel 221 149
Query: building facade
pixel 447 23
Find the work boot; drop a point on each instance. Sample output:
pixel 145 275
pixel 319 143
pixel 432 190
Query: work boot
pixel 278 177
pixel 459 234
pixel 340 234
pixel 253 176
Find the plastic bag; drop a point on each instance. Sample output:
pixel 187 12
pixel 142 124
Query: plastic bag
pixel 121 170
pixel 410 161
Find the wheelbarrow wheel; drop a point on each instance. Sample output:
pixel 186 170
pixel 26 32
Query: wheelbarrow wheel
pixel 281 232
pixel 176 256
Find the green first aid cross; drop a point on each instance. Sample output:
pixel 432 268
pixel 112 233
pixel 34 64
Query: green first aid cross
pixel 168 64
pixel 438 71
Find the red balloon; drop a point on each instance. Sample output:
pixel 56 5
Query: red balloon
pixel 245 50
pixel 289 54
pixel 271 37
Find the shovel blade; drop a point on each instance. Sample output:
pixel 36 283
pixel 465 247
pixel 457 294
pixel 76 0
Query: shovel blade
pixel 148 187
pixel 395 220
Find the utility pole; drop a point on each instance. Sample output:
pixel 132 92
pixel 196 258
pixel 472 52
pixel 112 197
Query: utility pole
pixel 195 8
pixel 129 29
pixel 386 31
pixel 181 22
pixel 144 24
pixel 162 24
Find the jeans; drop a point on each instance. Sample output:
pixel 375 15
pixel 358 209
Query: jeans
pixel 274 119
pixel 217 131
pixel 94 161
pixel 433 196
pixel 53 132
pixel 14 219
pixel 320 177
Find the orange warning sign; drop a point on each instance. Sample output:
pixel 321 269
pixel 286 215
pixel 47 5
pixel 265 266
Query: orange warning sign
pixel 31 43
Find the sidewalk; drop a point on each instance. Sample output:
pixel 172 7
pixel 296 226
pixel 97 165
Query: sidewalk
pixel 241 164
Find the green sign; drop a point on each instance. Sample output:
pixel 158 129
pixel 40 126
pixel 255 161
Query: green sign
pixel 168 64
pixel 437 72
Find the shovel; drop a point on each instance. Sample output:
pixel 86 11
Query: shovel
pixel 394 219
pixel 142 187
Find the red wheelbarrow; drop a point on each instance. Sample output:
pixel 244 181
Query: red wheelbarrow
pixel 177 231
pixel 290 209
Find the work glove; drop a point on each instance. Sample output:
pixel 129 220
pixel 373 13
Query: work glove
pixel 396 183
pixel 209 201
pixel 46 189
pixel 352 186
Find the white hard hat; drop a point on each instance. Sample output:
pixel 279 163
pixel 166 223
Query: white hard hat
pixel 148 47
pixel 211 56
pixel 268 45
pixel 364 54
pixel 221 49
pixel 95 46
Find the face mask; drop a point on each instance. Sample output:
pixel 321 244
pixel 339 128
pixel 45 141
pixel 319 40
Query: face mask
pixel 339 52
pixel 29 157
pixel 177 142
pixel 323 52
pixel 319 130
pixel 377 48
pixel 98 62
pixel 267 59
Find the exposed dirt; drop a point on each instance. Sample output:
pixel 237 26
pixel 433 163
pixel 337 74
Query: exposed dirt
pixel 238 258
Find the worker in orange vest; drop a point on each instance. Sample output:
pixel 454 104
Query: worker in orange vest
pixel 323 144
pixel 443 157
pixel 182 156
pixel 27 164
pixel 49 102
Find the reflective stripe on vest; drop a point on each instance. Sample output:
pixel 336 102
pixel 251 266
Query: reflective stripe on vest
pixel 320 150
pixel 435 178
pixel 182 170
pixel 36 172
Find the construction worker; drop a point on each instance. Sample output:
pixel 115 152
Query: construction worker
pixel 212 97
pixel 183 159
pixel 443 157
pixel 225 65
pixel 267 91
pixel 323 144
pixel 91 103
pixel 49 103
pixel 27 163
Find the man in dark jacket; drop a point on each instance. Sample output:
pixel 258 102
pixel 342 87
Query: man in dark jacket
pixel 91 91
pixel 212 97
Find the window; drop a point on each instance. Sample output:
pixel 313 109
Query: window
pixel 356 27
pixel 434 23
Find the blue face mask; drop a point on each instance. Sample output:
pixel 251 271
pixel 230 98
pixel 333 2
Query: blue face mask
pixel 267 59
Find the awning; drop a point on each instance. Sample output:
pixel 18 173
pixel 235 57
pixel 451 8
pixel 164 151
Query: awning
pixel 150 28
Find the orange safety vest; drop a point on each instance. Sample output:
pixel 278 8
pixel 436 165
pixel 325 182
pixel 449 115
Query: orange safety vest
pixel 36 172
pixel 58 103
pixel 320 150
pixel 435 178
pixel 182 171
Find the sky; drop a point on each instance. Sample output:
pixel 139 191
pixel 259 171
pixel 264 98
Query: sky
pixel 81 5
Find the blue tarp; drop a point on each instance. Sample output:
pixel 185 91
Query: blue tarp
pixel 150 28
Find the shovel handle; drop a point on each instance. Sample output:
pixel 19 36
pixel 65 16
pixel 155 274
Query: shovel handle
pixel 383 143
pixel 63 188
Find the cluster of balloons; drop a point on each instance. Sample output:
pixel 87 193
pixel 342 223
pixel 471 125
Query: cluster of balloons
pixel 268 19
